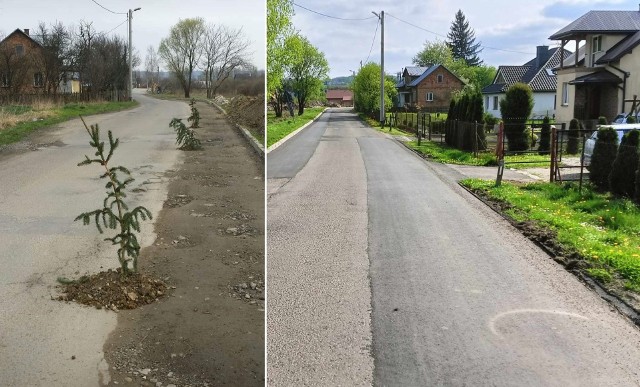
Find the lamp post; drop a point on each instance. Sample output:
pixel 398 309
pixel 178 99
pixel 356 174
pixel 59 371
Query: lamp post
pixel 381 17
pixel 130 86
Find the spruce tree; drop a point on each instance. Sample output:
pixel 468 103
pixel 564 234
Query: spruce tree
pixel 462 41
pixel 572 143
pixel 515 109
pixel 604 153
pixel 545 137
pixel 623 172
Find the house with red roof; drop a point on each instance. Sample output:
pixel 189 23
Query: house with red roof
pixel 427 88
pixel 340 97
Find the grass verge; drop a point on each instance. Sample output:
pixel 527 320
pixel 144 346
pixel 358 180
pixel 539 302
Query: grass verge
pixel 375 124
pixel 54 116
pixel 446 154
pixel 279 128
pixel 601 229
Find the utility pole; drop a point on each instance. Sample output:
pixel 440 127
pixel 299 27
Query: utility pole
pixel 130 85
pixel 382 115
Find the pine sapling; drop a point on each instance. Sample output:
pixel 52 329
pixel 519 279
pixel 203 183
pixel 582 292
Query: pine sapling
pixel 126 222
pixel 185 137
pixel 194 118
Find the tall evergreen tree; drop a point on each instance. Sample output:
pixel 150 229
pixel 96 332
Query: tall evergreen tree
pixel 462 41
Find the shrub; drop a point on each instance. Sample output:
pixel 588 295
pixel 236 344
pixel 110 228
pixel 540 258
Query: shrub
pixel 194 118
pixel 604 153
pixel 530 136
pixel 545 137
pixel 127 221
pixel 623 171
pixel 631 119
pixel 515 109
pixel 602 120
pixel 572 144
pixel 185 137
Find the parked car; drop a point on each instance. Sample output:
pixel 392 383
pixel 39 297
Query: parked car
pixel 621 129
pixel 622 118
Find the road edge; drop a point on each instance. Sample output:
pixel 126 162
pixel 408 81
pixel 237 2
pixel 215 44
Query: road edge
pixel 288 136
pixel 255 144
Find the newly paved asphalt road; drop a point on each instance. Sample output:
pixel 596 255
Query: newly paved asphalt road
pixel 457 297
pixel 51 343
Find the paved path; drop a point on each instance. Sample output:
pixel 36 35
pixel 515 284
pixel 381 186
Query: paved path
pixel 458 296
pixel 41 192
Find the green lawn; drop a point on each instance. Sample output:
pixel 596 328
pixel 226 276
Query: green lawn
pixel 446 154
pixel 375 124
pixel 54 116
pixel 279 128
pixel 602 229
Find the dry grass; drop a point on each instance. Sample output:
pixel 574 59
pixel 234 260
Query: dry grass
pixel 12 115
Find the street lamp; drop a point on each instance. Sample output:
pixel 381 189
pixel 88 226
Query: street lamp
pixel 129 88
pixel 381 17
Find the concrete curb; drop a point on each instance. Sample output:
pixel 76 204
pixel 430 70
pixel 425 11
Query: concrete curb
pixel 288 136
pixel 257 146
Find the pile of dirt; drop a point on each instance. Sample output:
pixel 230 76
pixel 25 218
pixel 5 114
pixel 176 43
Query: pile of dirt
pixel 111 290
pixel 247 111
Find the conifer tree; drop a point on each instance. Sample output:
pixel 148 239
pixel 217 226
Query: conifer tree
pixel 572 143
pixel 604 153
pixel 545 137
pixel 462 41
pixel 623 172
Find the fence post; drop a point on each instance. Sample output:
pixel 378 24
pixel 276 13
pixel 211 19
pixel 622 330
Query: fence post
pixel 500 154
pixel 554 145
pixel 417 131
pixel 475 140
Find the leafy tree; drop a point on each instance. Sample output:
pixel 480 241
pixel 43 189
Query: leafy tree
pixel 366 89
pixel 604 153
pixel 572 143
pixel 224 50
pixel 279 28
pixel 462 41
pixel 307 69
pixel 515 109
pixel 182 49
pixel 622 177
pixel 545 137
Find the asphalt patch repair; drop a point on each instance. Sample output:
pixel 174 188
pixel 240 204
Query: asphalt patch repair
pixel 208 328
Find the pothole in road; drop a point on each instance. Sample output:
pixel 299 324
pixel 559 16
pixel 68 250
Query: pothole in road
pixel 177 201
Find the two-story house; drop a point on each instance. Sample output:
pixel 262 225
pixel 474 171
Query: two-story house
pixel 20 64
pixel 603 74
pixel 427 88
pixel 537 73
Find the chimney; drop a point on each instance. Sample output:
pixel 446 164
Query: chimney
pixel 542 55
pixel 26 31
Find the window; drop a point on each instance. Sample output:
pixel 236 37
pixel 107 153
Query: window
pixel 565 94
pixel 6 80
pixel 429 97
pixel 486 103
pixel 596 47
pixel 440 78
pixel 495 102
pixel 38 80
pixel 19 49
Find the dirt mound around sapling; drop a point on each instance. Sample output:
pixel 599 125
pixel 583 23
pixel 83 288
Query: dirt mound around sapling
pixel 111 290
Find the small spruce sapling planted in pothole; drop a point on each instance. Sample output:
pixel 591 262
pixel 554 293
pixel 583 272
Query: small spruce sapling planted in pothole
pixel 115 213
pixel 185 137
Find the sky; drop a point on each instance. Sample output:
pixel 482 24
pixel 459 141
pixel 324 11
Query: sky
pixel 150 24
pixel 509 30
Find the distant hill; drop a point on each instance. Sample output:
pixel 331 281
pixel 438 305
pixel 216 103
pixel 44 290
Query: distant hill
pixel 339 82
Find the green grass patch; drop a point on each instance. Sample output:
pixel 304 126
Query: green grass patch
pixel 375 124
pixel 279 128
pixel 446 154
pixel 603 229
pixel 20 130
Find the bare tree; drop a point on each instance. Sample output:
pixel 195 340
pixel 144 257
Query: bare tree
pixel 151 64
pixel 182 49
pixel 224 50
pixel 56 59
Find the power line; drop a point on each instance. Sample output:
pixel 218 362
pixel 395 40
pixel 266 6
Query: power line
pixel 443 36
pixel 373 41
pixel 114 28
pixel 107 9
pixel 329 16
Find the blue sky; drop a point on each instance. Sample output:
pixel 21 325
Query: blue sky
pixel 509 30
pixel 150 24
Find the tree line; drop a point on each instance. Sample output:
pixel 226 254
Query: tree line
pixel 296 70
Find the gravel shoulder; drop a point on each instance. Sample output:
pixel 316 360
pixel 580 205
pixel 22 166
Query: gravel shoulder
pixel 210 251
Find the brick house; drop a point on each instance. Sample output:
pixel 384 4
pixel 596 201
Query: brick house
pixel 602 75
pixel 20 62
pixel 428 88
pixel 341 97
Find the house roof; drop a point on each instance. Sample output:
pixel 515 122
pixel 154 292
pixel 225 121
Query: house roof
pixel 429 71
pixel 532 73
pixel 598 77
pixel 594 22
pixel 415 71
pixel 570 61
pixel 622 48
pixel 20 32
pixel 343 94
